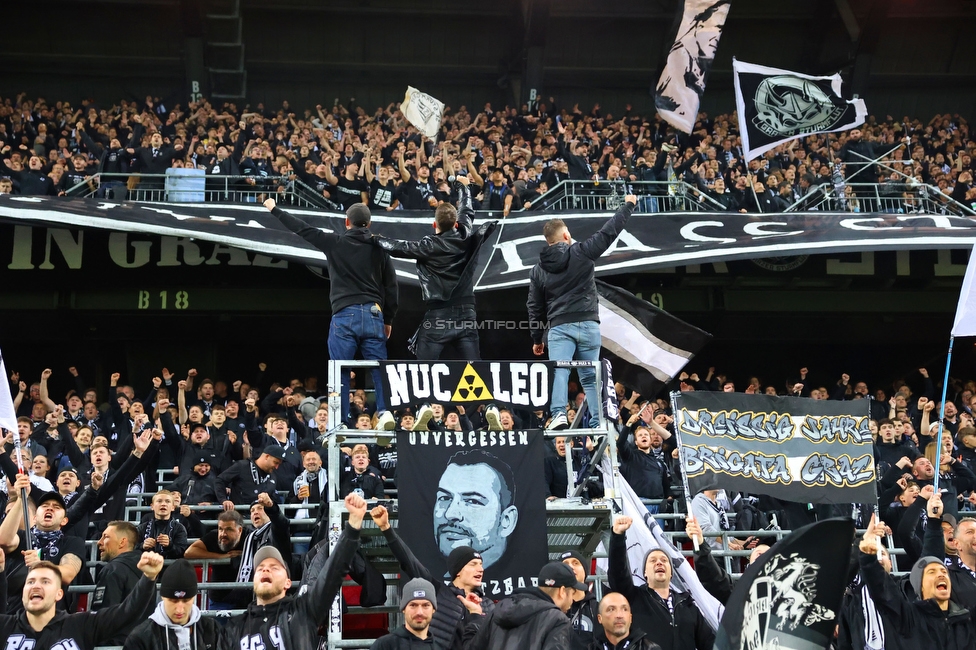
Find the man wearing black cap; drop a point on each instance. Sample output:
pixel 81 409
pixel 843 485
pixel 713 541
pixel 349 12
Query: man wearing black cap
pixel 243 481
pixel 534 617
pixel 200 444
pixel 199 487
pixel 176 622
pixel 363 291
pixel 283 622
pixel 461 603
pixel 418 604
pixel 583 613
pixel 271 528
pixel 446 264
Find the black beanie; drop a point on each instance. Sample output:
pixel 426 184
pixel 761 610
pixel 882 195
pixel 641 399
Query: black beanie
pixel 459 557
pixel 179 580
pixel 576 556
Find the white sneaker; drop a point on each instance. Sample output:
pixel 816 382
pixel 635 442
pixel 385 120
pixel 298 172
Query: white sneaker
pixel 558 422
pixel 385 421
pixel 493 419
pixel 423 417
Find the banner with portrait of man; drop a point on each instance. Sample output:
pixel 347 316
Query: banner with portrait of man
pixel 483 489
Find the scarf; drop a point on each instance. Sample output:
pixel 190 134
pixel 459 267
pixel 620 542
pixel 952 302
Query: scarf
pixel 873 629
pixel 49 542
pixel 182 632
pixel 256 539
pixel 305 478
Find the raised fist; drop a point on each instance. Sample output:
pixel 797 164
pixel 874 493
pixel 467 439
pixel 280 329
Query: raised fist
pixel 622 524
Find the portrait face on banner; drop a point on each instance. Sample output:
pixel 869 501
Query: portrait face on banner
pixel 475 505
pixel 482 489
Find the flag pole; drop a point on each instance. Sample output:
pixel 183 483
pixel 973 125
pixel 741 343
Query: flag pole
pixel 938 448
pixel 681 457
pixel 28 541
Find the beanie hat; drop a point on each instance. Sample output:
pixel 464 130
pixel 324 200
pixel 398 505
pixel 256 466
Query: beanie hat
pixel 358 215
pixel 418 589
pixel 179 580
pixel 916 576
pixel 578 557
pixel 458 558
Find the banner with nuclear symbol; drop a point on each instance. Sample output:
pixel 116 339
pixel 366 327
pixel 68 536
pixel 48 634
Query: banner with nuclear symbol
pixel 515 383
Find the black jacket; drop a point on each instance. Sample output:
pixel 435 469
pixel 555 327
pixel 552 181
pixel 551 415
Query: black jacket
pixel 529 619
pixel 150 635
pixel 401 639
pixel 296 618
pixel 921 623
pixel 686 630
pixel 178 542
pixel 646 473
pixel 243 488
pixel 451 618
pixel 446 261
pixel 359 274
pixel 582 618
pixel 117 579
pixel 713 577
pixel 562 286
pixel 579 166
pixel 637 640
pixel 88 629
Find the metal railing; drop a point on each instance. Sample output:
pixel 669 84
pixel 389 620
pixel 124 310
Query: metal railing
pixel 179 186
pixel 893 197
pixel 607 196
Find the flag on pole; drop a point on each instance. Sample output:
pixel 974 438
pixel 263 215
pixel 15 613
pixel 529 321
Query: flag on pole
pixel 8 414
pixel 682 83
pixel 645 535
pixel 776 106
pixel 791 596
pixel 965 322
pixel 646 345
pixel 423 111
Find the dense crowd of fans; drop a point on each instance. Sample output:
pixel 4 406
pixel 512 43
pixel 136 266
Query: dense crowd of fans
pixel 261 445
pixel 347 154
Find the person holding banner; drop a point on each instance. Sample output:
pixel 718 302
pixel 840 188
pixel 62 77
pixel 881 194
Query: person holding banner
pixel 562 293
pixel 671 619
pixel 446 264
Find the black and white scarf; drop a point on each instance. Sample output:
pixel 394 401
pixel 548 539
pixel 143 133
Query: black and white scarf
pixel 49 543
pixel 257 538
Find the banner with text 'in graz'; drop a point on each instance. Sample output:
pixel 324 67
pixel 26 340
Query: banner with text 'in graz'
pixel 793 448
pixel 515 383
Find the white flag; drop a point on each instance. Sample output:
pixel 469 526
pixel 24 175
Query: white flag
pixel 644 536
pixel 8 416
pixel 965 323
pixel 423 111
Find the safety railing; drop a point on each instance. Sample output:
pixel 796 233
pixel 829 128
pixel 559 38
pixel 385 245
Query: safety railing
pixel 903 196
pixel 607 196
pixel 179 185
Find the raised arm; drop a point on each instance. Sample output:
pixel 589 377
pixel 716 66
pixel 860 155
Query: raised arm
pixel 618 570
pixel 321 240
pixel 409 563
pixel 104 624
pixel 45 397
pixel 598 243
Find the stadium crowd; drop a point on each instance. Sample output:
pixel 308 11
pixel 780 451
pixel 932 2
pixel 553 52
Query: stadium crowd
pixel 347 154
pixel 259 444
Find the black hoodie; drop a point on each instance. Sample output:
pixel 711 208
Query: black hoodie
pixel 529 619
pixel 118 578
pixel 359 273
pixel 562 286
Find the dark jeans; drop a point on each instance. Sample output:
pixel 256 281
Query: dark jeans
pixel 447 330
pixel 358 328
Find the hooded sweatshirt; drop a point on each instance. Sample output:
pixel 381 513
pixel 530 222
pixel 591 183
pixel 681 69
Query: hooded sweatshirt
pixel 160 633
pixel 529 619
pixel 562 286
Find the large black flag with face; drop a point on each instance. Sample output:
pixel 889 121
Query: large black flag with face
pixel 776 106
pixel 483 489
pixel 789 599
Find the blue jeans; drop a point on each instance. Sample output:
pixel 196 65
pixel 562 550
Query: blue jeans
pixel 358 328
pixel 575 342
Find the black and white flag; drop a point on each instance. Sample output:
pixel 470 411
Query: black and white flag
pixel 791 596
pixel 8 415
pixel 646 345
pixel 682 83
pixel 776 106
